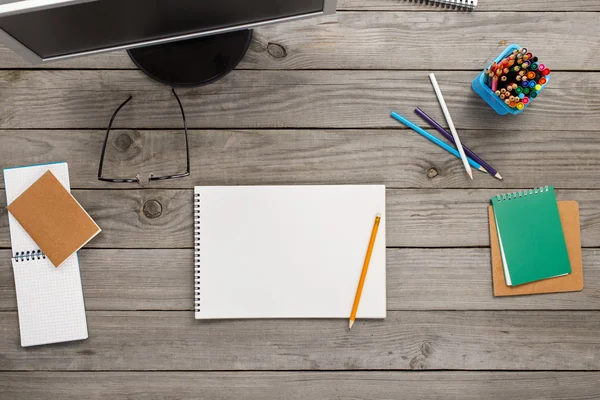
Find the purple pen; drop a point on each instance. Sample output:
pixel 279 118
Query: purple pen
pixel 448 136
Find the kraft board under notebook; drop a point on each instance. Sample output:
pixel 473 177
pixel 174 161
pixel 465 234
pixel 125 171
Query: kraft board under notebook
pixel 287 251
pixel 49 299
pixel 530 236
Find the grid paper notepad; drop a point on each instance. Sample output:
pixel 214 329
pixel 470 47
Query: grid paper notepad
pixel 49 299
pixel 287 251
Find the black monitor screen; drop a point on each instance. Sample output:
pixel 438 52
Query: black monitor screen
pixel 106 24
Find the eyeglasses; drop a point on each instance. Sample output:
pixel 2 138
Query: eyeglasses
pixel 151 177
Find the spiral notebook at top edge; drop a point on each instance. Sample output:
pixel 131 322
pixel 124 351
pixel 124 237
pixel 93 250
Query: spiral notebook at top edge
pixel 287 251
pixel 461 5
pixel 50 300
pixel 530 236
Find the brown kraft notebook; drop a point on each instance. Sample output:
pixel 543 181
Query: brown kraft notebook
pixel 569 218
pixel 54 219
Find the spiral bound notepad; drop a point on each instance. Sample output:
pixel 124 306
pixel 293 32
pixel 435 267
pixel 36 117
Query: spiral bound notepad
pixel 49 299
pixel 287 251
pixel 530 236
pixel 463 5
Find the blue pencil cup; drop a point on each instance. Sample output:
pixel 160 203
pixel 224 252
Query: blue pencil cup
pixel 484 91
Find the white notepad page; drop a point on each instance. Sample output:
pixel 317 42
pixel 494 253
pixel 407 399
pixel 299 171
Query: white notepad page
pixel 288 251
pixel 50 300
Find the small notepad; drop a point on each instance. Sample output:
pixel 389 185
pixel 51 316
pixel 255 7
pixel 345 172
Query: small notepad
pixel 530 235
pixel 49 299
pixel 287 251
pixel 573 282
pixel 53 218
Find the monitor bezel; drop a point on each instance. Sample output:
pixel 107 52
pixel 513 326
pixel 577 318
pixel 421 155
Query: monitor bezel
pixel 12 7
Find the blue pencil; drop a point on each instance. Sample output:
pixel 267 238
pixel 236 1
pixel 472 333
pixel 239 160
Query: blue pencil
pixel 435 140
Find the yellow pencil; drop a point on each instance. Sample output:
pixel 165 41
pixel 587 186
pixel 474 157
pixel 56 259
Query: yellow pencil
pixel 365 268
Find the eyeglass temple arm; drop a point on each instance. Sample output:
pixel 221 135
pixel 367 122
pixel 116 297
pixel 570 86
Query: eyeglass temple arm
pixel 106 138
pixel 187 143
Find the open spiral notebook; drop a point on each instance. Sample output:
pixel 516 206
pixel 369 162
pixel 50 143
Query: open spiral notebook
pixel 287 251
pixel 49 299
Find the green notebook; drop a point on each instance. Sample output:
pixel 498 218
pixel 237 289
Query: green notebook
pixel 530 236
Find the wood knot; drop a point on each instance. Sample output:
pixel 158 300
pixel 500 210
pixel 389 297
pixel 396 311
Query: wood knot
pixel 432 173
pixel 417 363
pixel 123 142
pixel 152 209
pixel 426 349
pixel 276 50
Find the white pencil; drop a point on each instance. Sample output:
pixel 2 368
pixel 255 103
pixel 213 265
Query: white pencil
pixel 459 146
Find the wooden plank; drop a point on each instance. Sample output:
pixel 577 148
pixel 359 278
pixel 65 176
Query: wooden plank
pixel 424 40
pixel 416 218
pixel 288 99
pixel 484 6
pixel 417 279
pixel 475 340
pixel 397 158
pixel 301 385
pixel 382 40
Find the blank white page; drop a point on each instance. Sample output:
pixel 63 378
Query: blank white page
pixel 288 251
pixel 50 301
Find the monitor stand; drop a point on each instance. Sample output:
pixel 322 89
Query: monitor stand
pixel 193 62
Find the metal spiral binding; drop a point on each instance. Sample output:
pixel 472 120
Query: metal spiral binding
pixel 522 193
pixel 22 256
pixel 461 5
pixel 197 252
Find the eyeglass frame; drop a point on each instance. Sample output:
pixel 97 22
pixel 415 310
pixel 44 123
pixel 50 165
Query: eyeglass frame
pixel 151 176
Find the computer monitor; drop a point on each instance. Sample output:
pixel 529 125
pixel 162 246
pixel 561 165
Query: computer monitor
pixel 177 42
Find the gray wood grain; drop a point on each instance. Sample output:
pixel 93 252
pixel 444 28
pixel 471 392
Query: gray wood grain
pixel 487 340
pixel 288 99
pixel 398 158
pixel 417 279
pixel 390 40
pixel 310 104
pixel 301 385
pixel 150 219
pixel 484 5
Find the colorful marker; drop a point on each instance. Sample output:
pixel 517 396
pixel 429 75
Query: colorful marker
pixel 494 83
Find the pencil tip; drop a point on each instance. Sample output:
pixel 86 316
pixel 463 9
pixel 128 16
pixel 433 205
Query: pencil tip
pixel 350 325
pixel 483 170
pixel 470 174
pixel 499 176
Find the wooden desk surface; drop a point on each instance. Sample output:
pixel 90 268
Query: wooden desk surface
pixel 310 105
